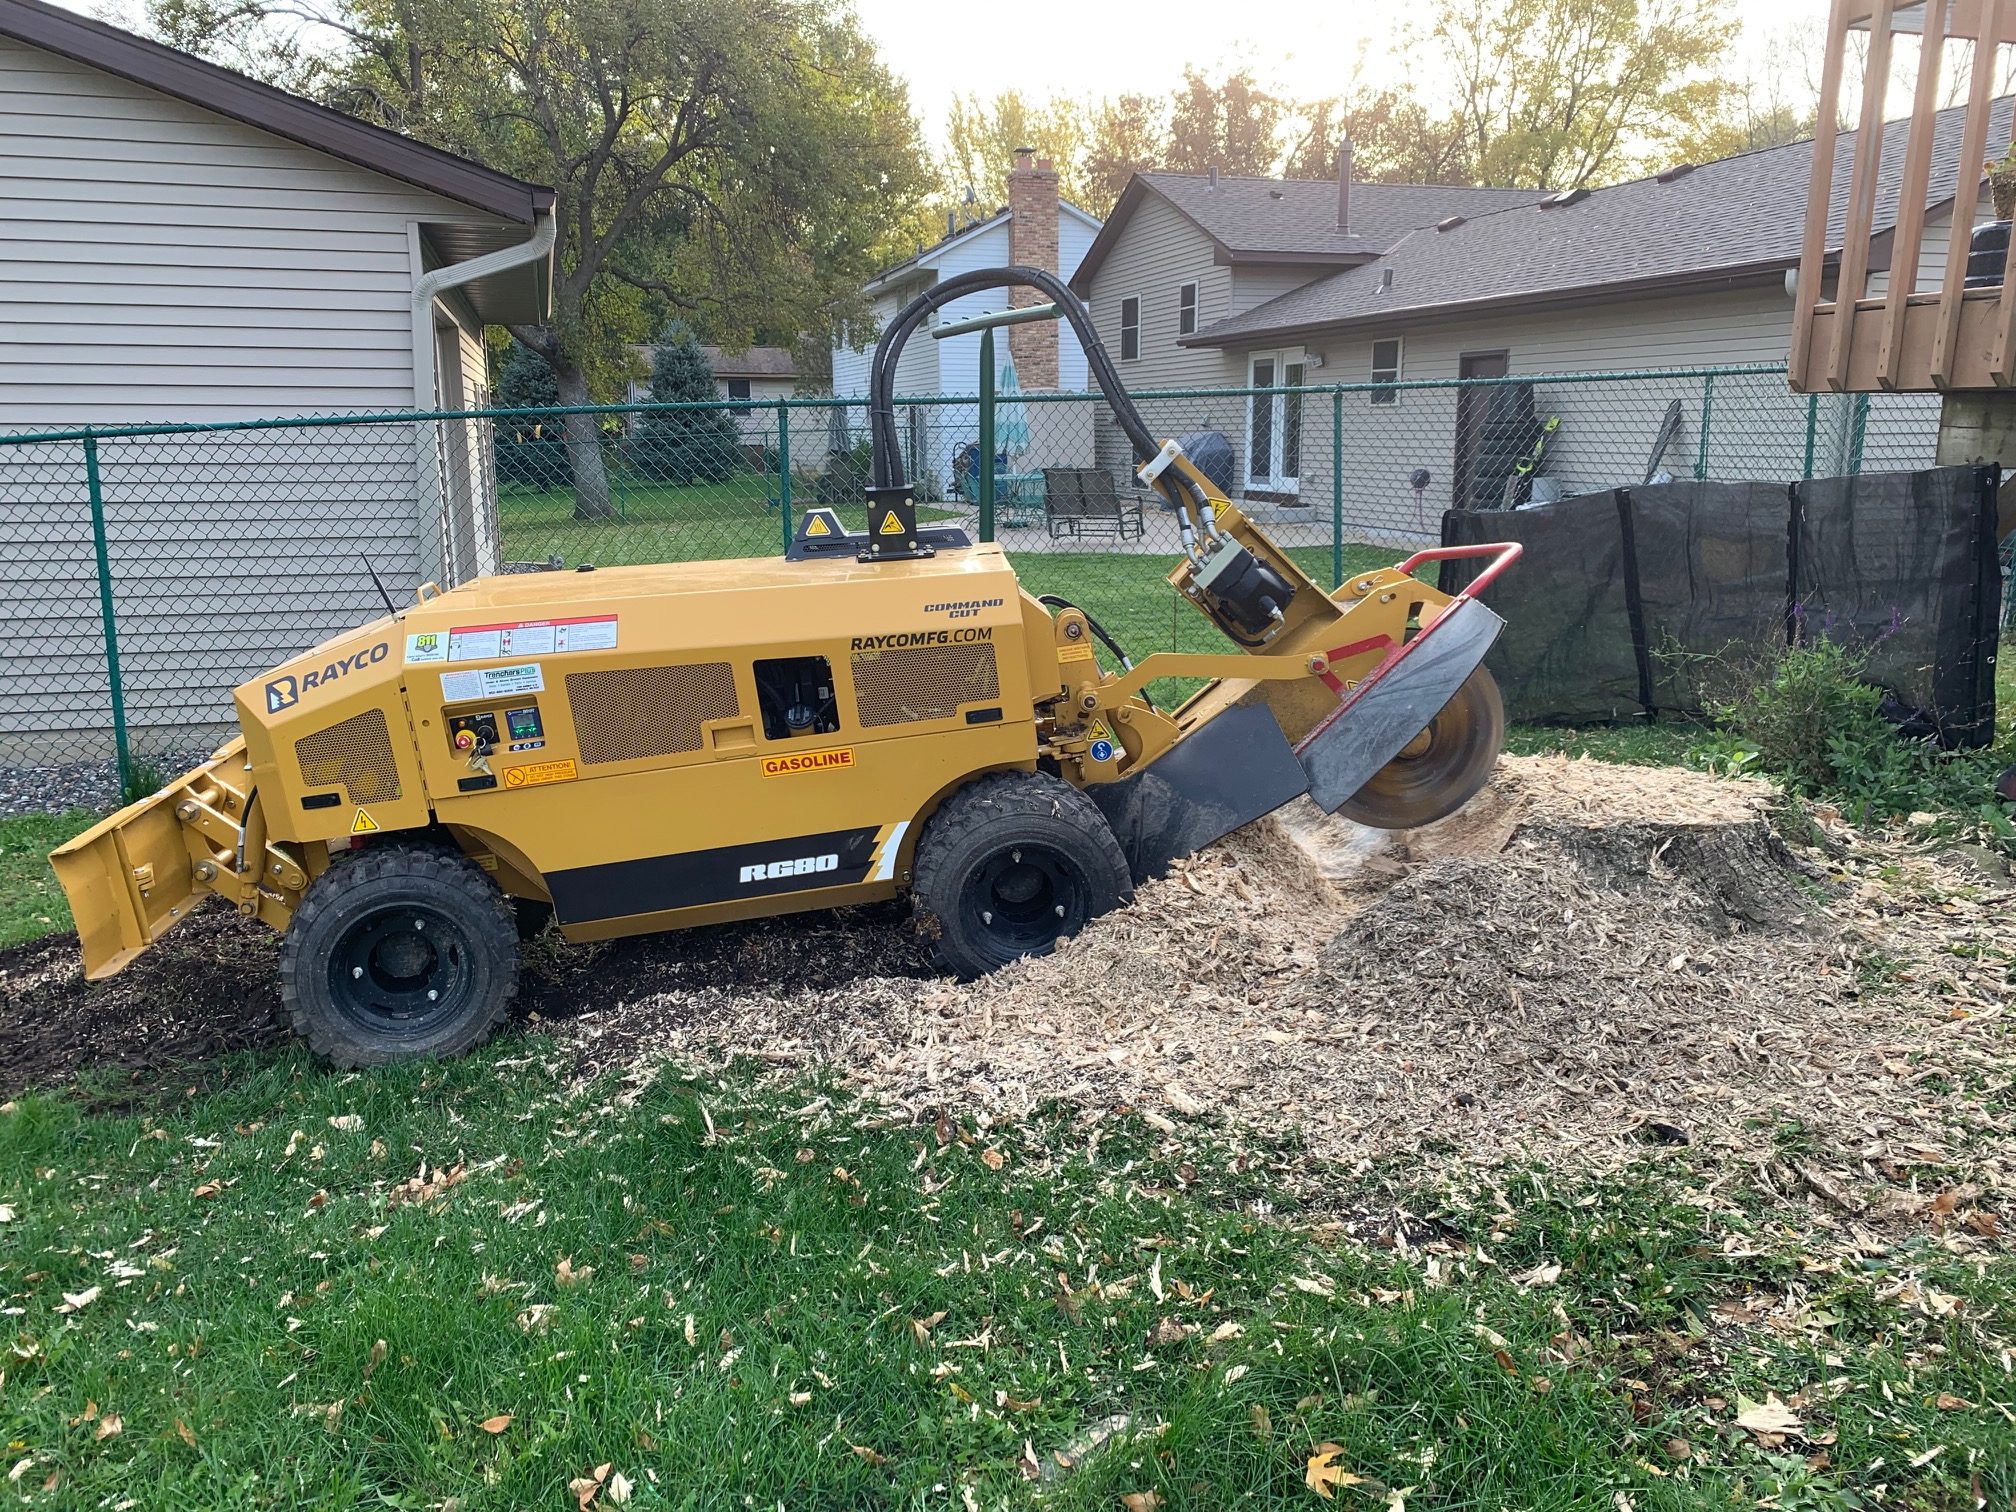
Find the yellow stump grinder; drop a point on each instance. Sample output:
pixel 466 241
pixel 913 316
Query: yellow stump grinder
pixel 873 714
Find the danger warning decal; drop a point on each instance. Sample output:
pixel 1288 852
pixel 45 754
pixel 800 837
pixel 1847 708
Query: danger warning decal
pixel 363 824
pixel 816 526
pixel 807 761
pixel 892 524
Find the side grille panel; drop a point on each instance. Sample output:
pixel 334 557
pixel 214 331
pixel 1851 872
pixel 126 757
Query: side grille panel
pixel 635 712
pixel 922 682
pixel 355 755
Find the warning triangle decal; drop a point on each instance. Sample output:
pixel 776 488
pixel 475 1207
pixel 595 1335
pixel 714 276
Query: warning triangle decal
pixel 363 824
pixel 817 526
pixel 890 525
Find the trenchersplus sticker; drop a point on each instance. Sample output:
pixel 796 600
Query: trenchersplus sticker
pixel 807 761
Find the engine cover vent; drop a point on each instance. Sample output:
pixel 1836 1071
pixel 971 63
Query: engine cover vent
pixel 922 682
pixel 634 712
pixel 356 755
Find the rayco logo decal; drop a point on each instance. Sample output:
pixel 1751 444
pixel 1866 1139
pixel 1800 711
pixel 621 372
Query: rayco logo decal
pixel 800 866
pixel 809 761
pixel 285 692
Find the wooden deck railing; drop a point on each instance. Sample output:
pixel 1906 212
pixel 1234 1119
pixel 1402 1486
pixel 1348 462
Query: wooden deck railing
pixel 1951 338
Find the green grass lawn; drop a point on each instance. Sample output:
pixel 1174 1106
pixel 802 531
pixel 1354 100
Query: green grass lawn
pixel 31 904
pixel 475 1284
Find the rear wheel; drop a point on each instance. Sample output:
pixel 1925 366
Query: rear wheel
pixel 400 952
pixel 1011 864
pixel 1442 768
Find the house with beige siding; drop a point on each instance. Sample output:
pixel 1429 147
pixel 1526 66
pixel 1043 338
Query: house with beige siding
pixel 183 244
pixel 1687 270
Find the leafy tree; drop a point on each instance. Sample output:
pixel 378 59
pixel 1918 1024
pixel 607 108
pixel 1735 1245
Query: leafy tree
pixel 1394 140
pixel 528 449
pixel 1129 135
pixel 684 446
pixel 1233 125
pixel 738 160
pixel 1561 93
pixel 981 136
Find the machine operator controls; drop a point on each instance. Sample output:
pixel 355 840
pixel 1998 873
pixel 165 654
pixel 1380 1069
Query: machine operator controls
pixel 478 734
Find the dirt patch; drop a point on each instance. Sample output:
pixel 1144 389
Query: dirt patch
pixel 207 989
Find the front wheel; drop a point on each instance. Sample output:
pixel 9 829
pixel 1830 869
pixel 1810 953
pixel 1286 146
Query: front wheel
pixel 399 952
pixel 1010 865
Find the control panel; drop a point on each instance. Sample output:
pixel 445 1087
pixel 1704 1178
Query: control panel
pixel 481 732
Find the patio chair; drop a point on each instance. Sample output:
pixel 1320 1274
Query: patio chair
pixel 1063 500
pixel 1099 508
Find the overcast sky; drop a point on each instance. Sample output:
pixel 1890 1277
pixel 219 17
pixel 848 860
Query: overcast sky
pixel 1097 47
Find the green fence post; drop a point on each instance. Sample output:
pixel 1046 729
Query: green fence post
pixel 986 464
pixel 1707 408
pixel 784 470
pixel 1857 435
pixel 105 611
pixel 1812 429
pixel 1337 488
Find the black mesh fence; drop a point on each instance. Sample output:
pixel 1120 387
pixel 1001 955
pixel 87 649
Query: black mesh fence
pixel 1655 600
pixel 150 569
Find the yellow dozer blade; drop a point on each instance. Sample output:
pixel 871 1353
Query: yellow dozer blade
pixel 132 877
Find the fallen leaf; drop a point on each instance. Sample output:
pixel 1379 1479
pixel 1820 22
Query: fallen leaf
pixel 869 1454
pixel 993 1159
pixel 1234 1372
pixel 800 1398
pixel 585 1488
pixel 920 1328
pixel 692 1334
pixel 1263 1425
pixel 1951 1403
pixel 1167 1331
pixel 1324 1473
pixel 619 1488
pixel 1767 1416
pixel 110 1426
pixel 6 1213
pixel 564 1273
pixel 78 1301
pixel 346 1123
pixel 378 1353
pixel 496 1424
pixel 1678 1448
pixel 185 1433
pixel 534 1317
pixel 1141 1501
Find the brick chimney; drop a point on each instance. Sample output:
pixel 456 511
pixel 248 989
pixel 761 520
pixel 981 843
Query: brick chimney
pixel 1032 242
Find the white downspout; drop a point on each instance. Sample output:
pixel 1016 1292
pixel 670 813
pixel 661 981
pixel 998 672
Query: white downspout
pixel 426 289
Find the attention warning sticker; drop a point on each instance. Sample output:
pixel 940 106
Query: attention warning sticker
pixel 808 761
pixel 538 773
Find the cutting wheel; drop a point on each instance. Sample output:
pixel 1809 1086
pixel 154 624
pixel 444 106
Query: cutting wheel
pixel 1442 768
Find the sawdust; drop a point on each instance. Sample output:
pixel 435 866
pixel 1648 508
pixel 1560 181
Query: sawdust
pixel 1589 958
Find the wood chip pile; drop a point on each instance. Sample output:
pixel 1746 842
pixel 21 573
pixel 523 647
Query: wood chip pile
pixel 1588 958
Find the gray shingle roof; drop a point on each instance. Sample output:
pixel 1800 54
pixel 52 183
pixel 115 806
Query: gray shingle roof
pixel 752 362
pixel 1299 216
pixel 1744 213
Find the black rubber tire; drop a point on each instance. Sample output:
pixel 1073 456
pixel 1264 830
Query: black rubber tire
pixel 1463 745
pixel 352 927
pixel 1018 846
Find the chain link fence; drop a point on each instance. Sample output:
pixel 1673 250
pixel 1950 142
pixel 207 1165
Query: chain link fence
pixel 150 569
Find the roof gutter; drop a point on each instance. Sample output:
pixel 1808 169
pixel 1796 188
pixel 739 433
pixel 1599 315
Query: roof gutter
pixel 481 548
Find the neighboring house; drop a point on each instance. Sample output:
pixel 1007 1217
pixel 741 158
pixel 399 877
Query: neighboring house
pixel 1034 229
pixel 763 372
pixel 184 244
pixel 1687 269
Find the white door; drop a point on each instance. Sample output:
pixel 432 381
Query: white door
pixel 1274 423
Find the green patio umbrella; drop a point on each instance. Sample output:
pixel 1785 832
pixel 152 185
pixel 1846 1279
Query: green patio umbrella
pixel 1011 415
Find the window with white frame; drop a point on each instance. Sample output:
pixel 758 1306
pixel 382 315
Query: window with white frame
pixel 1186 309
pixel 1130 328
pixel 1386 370
pixel 738 388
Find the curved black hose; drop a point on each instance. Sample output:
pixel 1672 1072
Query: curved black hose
pixel 1056 601
pixel 888 455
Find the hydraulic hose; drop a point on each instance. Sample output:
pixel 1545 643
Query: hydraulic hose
pixel 1056 601
pixel 888 455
